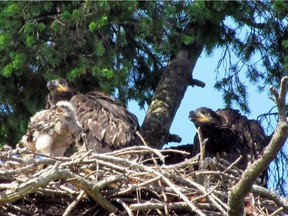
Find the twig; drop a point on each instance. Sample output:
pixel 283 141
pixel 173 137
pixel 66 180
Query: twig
pixel 187 162
pixel 281 201
pixel 18 171
pixel 210 197
pixel 139 185
pixel 89 188
pixel 233 164
pixel 126 207
pixel 204 195
pixel 64 188
pixel 276 212
pixel 202 144
pixel 133 149
pixel 31 186
pixel 174 150
pixel 70 208
pixel 111 179
pixel 165 199
pixel 18 209
pixel 149 205
pixel 199 187
pixel 167 181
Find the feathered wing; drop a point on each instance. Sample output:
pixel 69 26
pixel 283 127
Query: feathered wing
pixel 253 138
pixel 41 123
pixel 250 131
pixel 40 132
pixel 107 125
pixel 228 116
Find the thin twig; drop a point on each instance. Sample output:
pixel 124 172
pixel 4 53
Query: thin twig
pixel 70 208
pixel 125 206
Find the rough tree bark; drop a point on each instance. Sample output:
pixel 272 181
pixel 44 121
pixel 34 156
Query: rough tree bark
pixel 239 191
pixel 168 95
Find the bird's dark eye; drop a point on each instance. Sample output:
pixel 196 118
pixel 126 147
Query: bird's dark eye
pixel 205 113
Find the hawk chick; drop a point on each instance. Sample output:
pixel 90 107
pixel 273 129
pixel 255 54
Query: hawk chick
pixel 53 130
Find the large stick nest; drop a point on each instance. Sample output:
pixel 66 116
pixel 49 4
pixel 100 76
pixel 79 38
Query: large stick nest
pixel 108 184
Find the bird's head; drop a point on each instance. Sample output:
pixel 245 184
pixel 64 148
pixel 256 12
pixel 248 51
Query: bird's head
pixel 65 109
pixel 60 90
pixel 58 85
pixel 204 116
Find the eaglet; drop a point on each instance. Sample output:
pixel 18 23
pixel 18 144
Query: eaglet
pixel 53 130
pixel 226 130
pixel 106 124
pixel 229 135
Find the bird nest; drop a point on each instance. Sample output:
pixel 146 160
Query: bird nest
pixel 109 184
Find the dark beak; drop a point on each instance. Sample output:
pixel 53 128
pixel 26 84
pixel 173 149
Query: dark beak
pixel 192 115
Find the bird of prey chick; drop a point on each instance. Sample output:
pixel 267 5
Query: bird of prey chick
pixel 53 130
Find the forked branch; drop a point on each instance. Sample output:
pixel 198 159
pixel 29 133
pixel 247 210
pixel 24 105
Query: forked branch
pixel 253 171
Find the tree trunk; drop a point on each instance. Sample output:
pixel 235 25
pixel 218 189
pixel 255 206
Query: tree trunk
pixel 168 95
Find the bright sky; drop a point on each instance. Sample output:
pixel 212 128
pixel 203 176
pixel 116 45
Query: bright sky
pixel 197 97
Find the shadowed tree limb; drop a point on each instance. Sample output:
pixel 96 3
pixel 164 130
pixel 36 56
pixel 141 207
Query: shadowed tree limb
pixel 196 82
pixel 253 171
pixel 167 98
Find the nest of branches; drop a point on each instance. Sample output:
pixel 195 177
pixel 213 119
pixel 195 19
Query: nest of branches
pixel 109 184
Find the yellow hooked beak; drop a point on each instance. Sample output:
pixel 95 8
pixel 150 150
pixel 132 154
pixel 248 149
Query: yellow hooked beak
pixel 62 88
pixel 202 118
pixel 199 117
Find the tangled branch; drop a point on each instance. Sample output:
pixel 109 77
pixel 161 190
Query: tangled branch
pixel 88 184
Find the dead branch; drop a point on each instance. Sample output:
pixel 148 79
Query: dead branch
pixel 11 195
pixel 89 183
pixel 74 203
pixel 238 192
pixel 282 201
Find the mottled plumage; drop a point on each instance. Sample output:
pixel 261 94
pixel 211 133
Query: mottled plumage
pixel 229 135
pixel 106 124
pixel 53 130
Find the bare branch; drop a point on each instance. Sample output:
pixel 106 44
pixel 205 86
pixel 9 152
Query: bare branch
pixel 253 171
pixel 74 203
pixel 196 82
pixel 24 189
pixel 282 201
pixel 119 186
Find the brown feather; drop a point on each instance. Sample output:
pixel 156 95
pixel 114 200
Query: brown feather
pixel 229 135
pixel 107 125
pixel 105 122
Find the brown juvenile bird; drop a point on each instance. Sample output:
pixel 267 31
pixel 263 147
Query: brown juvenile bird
pixel 53 130
pixel 229 131
pixel 106 124
pixel 229 135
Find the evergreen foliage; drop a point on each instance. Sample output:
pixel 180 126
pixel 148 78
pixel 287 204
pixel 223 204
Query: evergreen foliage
pixel 123 47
